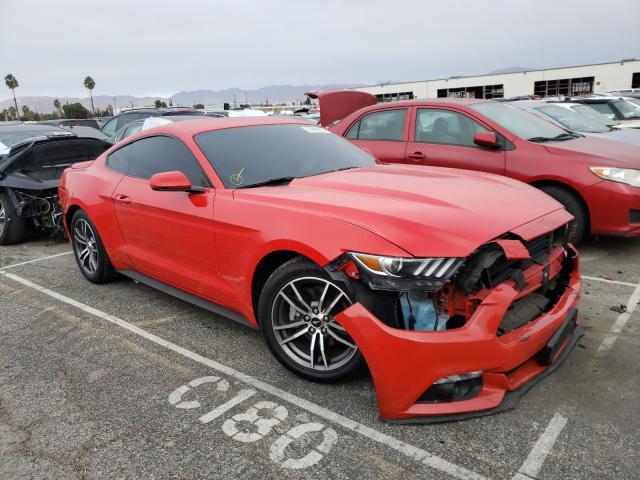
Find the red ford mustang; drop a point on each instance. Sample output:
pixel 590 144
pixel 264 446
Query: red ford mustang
pixel 597 180
pixel 455 288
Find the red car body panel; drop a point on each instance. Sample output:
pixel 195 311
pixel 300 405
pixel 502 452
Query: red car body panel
pixel 339 104
pixel 563 163
pixel 210 245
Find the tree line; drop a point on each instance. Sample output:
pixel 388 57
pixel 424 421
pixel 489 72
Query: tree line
pixel 68 110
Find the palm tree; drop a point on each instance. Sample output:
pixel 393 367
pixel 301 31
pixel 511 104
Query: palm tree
pixel 90 84
pixel 12 83
pixel 58 107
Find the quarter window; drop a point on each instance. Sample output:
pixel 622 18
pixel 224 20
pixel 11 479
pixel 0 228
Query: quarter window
pixel 119 160
pixel 148 156
pixel 385 125
pixel 446 127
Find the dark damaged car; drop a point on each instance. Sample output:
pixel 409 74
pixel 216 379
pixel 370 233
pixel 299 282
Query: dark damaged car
pixel 30 172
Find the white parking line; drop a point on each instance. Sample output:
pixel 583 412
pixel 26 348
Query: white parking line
pixel 606 280
pixel 619 324
pixel 415 453
pixel 533 464
pixel 35 260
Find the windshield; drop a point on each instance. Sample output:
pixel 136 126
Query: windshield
pixel 572 120
pixel 603 108
pixel 592 114
pixel 247 156
pixel 519 122
pixel 627 110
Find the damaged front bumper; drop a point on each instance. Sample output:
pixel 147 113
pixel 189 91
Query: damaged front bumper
pixel 406 364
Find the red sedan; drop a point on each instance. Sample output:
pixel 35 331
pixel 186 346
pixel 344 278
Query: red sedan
pixel 456 289
pixel 597 180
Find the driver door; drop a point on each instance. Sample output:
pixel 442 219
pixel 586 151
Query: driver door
pixel 444 138
pixel 169 236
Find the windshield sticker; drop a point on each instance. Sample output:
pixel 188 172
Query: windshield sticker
pixel 315 130
pixel 237 178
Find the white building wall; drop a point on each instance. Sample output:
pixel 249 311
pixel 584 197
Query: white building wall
pixel 608 76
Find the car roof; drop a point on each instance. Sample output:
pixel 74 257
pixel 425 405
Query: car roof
pixel 30 127
pixel 433 101
pixel 206 124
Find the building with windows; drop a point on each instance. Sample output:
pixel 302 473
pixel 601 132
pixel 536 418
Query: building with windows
pixel 579 80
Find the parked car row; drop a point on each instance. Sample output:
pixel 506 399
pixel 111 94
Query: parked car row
pixel 596 179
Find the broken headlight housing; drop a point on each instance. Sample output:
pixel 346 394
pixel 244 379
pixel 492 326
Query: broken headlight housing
pixel 629 176
pixel 406 274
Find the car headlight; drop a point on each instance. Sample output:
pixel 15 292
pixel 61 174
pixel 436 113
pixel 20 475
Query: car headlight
pixel 629 176
pixel 398 273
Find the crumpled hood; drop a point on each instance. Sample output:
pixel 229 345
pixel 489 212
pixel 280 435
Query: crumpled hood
pixel 427 211
pixel 597 152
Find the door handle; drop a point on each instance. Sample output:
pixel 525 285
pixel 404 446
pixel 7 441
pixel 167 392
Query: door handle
pixel 417 156
pixel 123 200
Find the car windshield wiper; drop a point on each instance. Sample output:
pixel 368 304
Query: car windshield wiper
pixel 561 137
pixel 271 181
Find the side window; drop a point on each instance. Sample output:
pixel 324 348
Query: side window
pixel 133 127
pixel 119 160
pixel 385 125
pixel 446 127
pixel 153 155
pixel 110 127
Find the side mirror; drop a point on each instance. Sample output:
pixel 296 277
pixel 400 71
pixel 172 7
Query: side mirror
pixel 486 139
pixel 173 182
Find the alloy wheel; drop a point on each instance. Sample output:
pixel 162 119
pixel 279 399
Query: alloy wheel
pixel 304 327
pixel 3 218
pixel 85 245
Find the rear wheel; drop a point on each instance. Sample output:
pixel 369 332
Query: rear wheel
pixel 578 227
pixel 296 313
pixel 89 250
pixel 11 225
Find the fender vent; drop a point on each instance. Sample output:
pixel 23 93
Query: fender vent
pixel 634 216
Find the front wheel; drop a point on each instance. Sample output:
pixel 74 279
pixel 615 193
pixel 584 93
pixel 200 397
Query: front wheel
pixel 89 250
pixel 296 313
pixel 578 227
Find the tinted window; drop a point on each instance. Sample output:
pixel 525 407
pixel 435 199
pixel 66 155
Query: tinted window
pixel 385 125
pixel 525 125
pixel 110 127
pixel 119 160
pixel 152 155
pixel 248 155
pixel 447 127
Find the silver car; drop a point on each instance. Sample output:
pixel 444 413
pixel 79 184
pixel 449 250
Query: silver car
pixel 588 122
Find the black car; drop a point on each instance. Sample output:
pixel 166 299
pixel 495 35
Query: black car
pixel 29 176
pixel 128 116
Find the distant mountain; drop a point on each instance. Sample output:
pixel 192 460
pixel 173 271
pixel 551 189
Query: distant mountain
pixel 274 94
pixel 508 70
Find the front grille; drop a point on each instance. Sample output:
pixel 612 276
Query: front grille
pixel 539 247
pixel 634 216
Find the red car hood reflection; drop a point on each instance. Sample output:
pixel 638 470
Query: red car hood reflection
pixel 427 211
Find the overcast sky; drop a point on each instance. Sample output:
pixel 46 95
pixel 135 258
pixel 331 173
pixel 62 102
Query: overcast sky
pixel 161 47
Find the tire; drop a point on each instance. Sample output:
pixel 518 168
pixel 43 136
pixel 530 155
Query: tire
pixel 578 228
pixel 335 355
pixel 11 225
pixel 89 250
